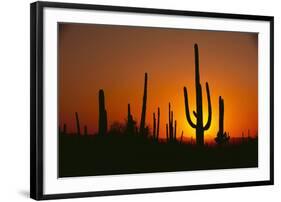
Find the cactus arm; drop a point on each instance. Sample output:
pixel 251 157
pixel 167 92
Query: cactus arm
pixel 187 109
pixel 208 124
pixel 195 114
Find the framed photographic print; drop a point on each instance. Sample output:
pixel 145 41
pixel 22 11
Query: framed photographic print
pixel 134 100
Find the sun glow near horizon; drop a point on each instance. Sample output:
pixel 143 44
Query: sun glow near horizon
pixel 91 59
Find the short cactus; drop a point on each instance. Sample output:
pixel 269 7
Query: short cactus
pixel 222 137
pixel 77 124
pixel 102 114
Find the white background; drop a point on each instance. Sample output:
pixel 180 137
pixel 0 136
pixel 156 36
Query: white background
pixel 52 185
pixel 14 101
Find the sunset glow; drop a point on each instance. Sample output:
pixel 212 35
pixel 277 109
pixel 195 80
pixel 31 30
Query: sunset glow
pixel 115 59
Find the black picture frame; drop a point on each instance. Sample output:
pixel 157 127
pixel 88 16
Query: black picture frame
pixel 36 98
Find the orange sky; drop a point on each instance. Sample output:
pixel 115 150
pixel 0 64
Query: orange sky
pixel 115 59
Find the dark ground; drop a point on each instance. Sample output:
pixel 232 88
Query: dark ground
pixel 112 154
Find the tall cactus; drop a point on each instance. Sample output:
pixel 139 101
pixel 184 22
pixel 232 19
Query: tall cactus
pixel 221 115
pixel 77 123
pixel 102 114
pixel 143 112
pixel 199 126
pixel 222 136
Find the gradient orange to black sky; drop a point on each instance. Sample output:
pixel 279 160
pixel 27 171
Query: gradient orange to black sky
pixel 115 58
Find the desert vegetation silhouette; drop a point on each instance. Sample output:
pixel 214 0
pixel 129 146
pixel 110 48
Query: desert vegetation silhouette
pixel 126 148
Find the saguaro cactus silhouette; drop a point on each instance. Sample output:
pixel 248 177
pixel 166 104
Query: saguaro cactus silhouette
pixel 222 137
pixel 181 136
pixel 85 130
pixel 171 127
pixel 129 116
pixel 170 124
pixel 102 114
pixel 167 132
pixel 199 126
pixel 156 125
pixel 77 123
pixel 131 129
pixel 221 115
pixel 64 129
pixel 143 112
